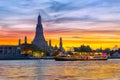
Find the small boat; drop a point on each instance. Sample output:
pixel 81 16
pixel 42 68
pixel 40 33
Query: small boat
pixel 80 58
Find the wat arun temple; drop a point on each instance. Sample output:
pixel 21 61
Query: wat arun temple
pixel 39 39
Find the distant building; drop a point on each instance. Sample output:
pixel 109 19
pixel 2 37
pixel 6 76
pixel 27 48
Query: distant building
pixel 9 50
pixel 116 54
pixel 6 49
pixel 115 48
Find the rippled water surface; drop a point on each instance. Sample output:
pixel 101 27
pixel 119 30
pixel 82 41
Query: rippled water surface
pixel 59 70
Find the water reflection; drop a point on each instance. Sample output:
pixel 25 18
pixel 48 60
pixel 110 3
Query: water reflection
pixel 58 70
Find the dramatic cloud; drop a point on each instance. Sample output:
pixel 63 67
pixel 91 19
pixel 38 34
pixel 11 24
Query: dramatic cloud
pixel 68 18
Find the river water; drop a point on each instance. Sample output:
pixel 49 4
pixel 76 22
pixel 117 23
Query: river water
pixel 59 70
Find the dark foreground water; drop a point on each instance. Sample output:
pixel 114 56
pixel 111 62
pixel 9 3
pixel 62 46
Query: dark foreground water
pixel 59 70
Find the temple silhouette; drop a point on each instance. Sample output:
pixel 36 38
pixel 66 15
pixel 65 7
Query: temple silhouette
pixel 39 39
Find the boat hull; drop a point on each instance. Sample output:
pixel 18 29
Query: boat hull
pixel 78 59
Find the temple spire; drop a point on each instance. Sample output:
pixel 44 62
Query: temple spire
pixel 39 19
pixel 50 43
pixel 60 43
pixel 19 42
pixel 25 40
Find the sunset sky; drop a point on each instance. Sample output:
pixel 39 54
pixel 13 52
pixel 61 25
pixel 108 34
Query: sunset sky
pixel 90 22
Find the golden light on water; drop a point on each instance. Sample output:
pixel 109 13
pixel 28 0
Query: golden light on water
pixel 57 70
pixel 96 71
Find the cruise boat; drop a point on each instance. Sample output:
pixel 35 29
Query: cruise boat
pixel 96 56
